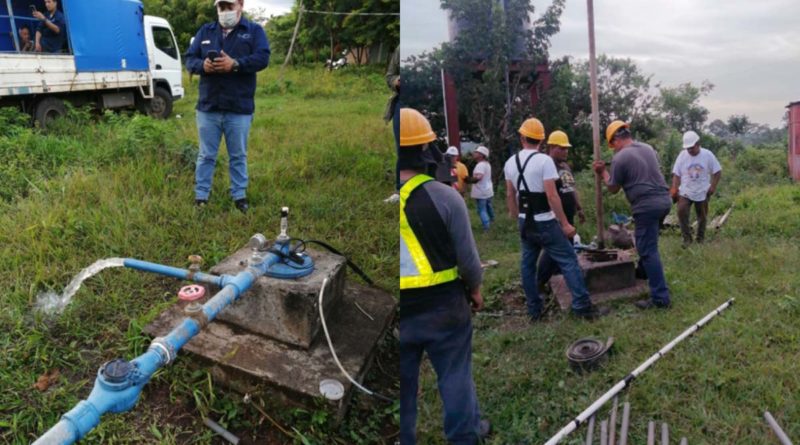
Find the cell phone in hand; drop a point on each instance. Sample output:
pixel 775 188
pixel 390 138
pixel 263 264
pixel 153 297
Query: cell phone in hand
pixel 33 9
pixel 212 54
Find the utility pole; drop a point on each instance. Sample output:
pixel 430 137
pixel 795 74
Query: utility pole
pixel 294 35
pixel 598 184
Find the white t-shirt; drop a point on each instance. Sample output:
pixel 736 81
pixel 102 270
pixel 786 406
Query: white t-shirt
pixel 695 173
pixel 538 170
pixel 483 189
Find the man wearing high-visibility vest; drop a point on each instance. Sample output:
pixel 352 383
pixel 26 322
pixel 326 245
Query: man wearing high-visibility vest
pixel 440 278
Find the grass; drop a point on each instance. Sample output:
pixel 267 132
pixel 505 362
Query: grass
pixel 122 185
pixel 712 388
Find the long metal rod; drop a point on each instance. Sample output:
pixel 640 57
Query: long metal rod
pixel 623 432
pixel 590 431
pixel 664 434
pixel 598 184
pixel 651 433
pixel 622 384
pixel 777 429
pixel 612 423
pixel 604 432
pixel 684 441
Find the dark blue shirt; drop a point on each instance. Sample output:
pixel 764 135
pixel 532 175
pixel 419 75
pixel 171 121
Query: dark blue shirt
pixel 50 41
pixel 233 92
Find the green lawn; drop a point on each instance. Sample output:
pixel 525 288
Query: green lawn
pixel 712 388
pixel 119 185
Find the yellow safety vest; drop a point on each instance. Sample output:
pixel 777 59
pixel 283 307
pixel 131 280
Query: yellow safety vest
pixel 415 268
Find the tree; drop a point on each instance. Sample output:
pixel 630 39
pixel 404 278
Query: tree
pixel 185 16
pixel 493 64
pixel 623 93
pixel 739 124
pixel 679 106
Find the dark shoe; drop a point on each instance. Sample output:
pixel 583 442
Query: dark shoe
pixel 484 429
pixel 242 205
pixel 544 289
pixel 649 304
pixel 592 313
pixel 200 203
pixel 536 318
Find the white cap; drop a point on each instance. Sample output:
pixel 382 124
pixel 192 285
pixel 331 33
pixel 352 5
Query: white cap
pixel 689 139
pixel 451 151
pixel 483 150
pixel 216 2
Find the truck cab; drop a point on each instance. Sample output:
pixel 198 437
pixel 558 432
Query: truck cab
pixel 126 59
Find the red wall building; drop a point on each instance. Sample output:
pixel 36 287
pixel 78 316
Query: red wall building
pixel 794 140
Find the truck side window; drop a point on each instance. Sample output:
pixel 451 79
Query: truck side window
pixel 165 42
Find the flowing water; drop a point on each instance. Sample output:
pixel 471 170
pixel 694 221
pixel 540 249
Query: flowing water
pixel 53 303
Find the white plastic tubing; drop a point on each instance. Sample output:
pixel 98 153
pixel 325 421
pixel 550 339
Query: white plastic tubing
pixel 572 425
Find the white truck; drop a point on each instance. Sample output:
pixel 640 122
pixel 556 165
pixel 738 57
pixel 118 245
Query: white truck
pixel 114 57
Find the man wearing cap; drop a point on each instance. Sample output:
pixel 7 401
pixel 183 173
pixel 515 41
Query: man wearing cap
pixel 440 278
pixel 458 170
pixel 227 90
pixel 482 187
pixel 532 199
pixel 635 169
pixel 558 148
pixel 695 176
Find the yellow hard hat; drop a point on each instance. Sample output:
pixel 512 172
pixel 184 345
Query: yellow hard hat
pixel 613 127
pixel 414 128
pixel 558 138
pixel 532 128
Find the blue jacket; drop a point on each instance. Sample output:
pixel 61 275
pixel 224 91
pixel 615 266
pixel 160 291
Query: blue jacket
pixel 52 42
pixel 231 92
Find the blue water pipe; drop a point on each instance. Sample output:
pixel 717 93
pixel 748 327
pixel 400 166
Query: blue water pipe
pixel 119 382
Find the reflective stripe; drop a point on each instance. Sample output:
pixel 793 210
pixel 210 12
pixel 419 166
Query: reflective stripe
pixel 425 276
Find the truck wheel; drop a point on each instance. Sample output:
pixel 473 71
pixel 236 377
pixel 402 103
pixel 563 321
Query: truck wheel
pixel 48 110
pixel 160 106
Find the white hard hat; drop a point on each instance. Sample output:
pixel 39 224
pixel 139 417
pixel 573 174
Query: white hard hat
pixel 216 2
pixel 483 150
pixel 689 139
pixel 451 151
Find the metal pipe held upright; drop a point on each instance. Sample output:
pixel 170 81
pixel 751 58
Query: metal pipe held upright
pixel 598 181
pixel 664 434
pixel 590 431
pixel 622 384
pixel 651 433
pixel 612 423
pixel 777 429
pixel 604 432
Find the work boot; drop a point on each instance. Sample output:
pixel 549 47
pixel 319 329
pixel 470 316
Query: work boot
pixel 484 429
pixel 242 205
pixel 200 203
pixel 649 304
pixel 592 312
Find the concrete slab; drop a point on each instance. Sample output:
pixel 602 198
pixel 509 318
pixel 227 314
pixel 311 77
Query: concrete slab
pixel 247 362
pixel 606 281
pixel 284 310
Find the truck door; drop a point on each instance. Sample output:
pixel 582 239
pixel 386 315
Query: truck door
pixel 166 59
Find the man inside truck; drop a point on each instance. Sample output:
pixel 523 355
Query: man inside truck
pixel 52 30
pixel 26 45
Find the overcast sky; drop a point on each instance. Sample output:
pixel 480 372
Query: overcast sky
pixel 749 50
pixel 272 7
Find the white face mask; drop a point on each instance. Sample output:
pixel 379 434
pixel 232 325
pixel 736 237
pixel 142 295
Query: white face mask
pixel 228 19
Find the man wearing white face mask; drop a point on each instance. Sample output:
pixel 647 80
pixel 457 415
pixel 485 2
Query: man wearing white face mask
pixel 226 54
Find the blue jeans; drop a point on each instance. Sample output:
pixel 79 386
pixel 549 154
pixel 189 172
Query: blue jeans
pixel 485 212
pixel 445 335
pixel 549 238
pixel 396 128
pixel 211 127
pixel 646 234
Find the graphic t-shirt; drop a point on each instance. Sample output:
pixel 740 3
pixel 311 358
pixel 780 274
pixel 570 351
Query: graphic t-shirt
pixel 566 189
pixel 695 173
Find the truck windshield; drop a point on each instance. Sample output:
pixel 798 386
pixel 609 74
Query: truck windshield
pixel 21 30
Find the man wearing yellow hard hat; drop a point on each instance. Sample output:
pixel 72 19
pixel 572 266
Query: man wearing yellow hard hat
pixel 558 148
pixel 438 263
pixel 636 170
pixel 532 198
